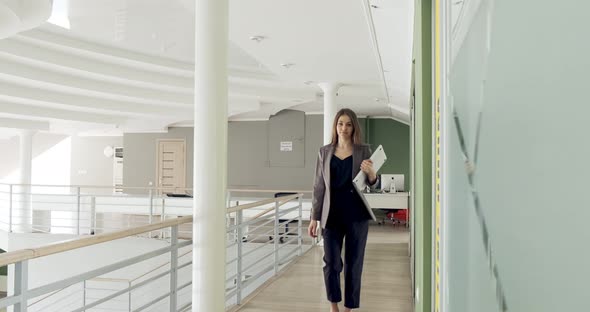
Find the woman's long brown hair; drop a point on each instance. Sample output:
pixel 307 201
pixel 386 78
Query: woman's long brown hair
pixel 356 128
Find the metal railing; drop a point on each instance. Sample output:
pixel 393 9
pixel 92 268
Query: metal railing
pixel 91 209
pixel 257 249
pixel 75 209
pixel 251 261
pixel 23 295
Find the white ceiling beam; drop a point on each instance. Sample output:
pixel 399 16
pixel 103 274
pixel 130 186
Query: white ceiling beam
pixel 12 71
pixel 24 73
pixel 40 97
pixel 24 124
pixel 28 111
pixel 56 41
pixel 125 63
pixel 89 63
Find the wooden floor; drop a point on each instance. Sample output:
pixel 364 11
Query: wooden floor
pixel 386 282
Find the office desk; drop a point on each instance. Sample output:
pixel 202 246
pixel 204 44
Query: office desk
pixel 397 200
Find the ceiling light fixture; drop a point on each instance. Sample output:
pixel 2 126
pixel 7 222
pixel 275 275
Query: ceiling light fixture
pixel 374 6
pixel 258 39
pixel 287 65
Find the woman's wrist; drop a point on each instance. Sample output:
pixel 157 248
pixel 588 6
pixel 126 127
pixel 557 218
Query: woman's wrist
pixel 372 178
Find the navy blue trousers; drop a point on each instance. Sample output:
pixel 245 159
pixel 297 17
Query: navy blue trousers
pixel 354 236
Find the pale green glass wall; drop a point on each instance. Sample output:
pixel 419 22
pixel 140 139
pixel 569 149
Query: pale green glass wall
pixel 524 65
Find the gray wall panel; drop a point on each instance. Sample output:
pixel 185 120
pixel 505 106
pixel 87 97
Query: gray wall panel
pixel 139 167
pixel 249 163
pixel 249 159
pixel 287 127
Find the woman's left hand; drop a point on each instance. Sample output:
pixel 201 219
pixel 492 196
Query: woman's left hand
pixel 367 168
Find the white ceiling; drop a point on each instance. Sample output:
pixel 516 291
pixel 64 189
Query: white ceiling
pixel 127 65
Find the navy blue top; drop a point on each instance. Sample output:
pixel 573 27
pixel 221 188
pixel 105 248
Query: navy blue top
pixel 345 204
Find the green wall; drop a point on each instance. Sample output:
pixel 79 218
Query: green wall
pixel 395 138
pixel 423 154
pixel 4 269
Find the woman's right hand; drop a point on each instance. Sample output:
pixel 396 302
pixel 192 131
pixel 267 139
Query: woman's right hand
pixel 312 230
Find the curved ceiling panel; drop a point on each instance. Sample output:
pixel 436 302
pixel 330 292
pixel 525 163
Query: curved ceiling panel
pixel 128 64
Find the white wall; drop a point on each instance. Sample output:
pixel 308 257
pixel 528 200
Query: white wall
pixel 89 165
pixel 60 159
pixel 51 156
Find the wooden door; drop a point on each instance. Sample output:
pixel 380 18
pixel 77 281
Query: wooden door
pixel 171 169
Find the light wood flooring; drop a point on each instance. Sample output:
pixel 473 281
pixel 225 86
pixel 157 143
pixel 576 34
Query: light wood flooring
pixel 386 285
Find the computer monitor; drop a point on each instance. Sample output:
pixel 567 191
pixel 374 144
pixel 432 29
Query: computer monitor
pixel 397 179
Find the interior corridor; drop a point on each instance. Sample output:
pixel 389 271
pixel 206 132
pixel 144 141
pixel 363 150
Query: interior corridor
pixel 386 282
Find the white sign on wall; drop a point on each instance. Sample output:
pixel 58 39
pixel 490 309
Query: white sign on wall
pixel 287 146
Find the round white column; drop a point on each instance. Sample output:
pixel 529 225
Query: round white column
pixel 210 155
pixel 23 210
pixel 330 107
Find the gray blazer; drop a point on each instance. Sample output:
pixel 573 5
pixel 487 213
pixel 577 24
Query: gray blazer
pixel 320 202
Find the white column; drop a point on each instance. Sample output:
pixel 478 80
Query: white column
pixel 210 155
pixel 330 107
pixel 23 211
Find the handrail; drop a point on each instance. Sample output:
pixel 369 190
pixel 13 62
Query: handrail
pixel 155 188
pixel 101 186
pixel 251 205
pixel 32 253
pixel 267 191
pixel 263 202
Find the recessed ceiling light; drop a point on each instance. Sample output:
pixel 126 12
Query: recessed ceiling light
pixel 257 38
pixel 287 65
